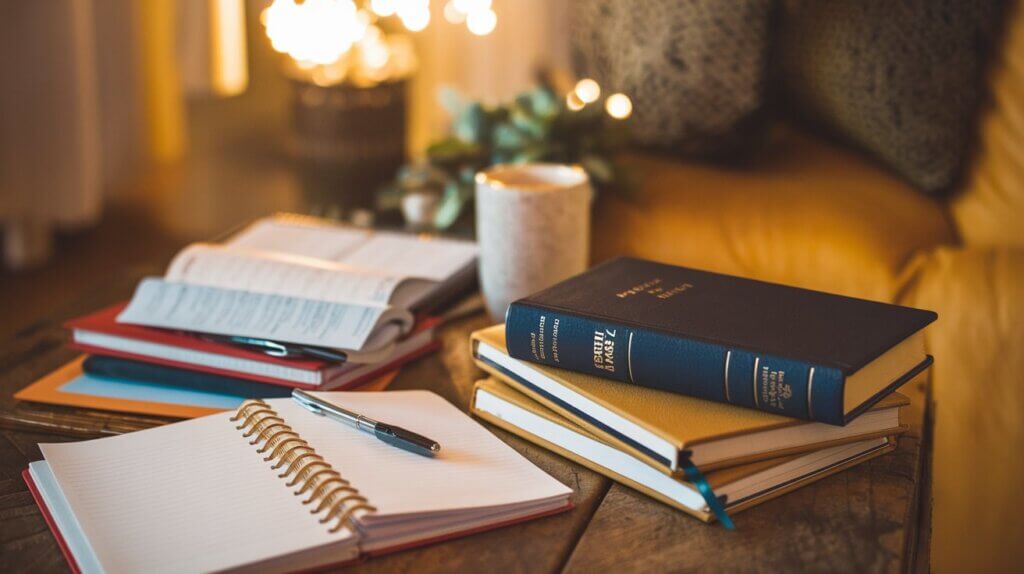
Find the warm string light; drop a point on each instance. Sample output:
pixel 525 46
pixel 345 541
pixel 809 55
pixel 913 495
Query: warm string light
pixel 330 41
pixel 414 14
pixel 374 53
pixel 383 8
pixel 482 22
pixel 314 32
pixel 588 91
pixel 573 102
pixel 479 17
pixel 453 14
pixel 618 106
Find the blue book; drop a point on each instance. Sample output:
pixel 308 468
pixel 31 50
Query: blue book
pixel 784 350
pixel 154 376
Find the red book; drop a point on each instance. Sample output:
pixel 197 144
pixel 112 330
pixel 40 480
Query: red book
pixel 100 333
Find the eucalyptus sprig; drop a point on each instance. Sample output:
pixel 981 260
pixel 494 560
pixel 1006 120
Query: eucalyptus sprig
pixel 537 126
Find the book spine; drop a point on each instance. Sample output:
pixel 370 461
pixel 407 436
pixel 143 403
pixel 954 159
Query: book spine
pixel 649 358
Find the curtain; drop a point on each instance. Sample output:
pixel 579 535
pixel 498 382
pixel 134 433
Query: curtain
pixel 50 163
pixel 93 92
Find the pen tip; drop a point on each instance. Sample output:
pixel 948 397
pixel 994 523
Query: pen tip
pixel 435 448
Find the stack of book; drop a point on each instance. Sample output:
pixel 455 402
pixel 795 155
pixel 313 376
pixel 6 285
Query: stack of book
pixel 707 392
pixel 287 302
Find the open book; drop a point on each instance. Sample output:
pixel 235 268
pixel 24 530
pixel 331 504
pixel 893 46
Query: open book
pixel 274 487
pixel 301 280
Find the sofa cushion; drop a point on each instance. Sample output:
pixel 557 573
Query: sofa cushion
pixel 806 213
pixel 900 79
pixel 695 69
pixel 979 403
pixel 990 208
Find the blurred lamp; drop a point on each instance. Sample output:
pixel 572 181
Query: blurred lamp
pixel 349 60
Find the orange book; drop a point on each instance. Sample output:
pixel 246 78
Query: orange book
pixel 48 390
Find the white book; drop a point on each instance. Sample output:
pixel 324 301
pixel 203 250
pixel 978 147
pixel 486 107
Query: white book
pixel 302 280
pixel 198 496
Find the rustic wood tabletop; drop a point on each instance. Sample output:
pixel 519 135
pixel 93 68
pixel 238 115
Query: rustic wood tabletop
pixel 872 518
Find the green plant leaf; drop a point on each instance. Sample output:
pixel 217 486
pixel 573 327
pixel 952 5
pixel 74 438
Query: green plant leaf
pixel 507 137
pixel 471 124
pixel 545 102
pixel 534 126
pixel 453 150
pixel 451 100
pixel 537 152
pixel 451 206
pixel 599 170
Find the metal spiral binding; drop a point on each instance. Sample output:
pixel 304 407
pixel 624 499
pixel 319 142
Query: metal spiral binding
pixel 332 496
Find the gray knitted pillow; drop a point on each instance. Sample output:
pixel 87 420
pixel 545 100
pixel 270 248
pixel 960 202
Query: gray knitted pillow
pixel 901 79
pixel 695 69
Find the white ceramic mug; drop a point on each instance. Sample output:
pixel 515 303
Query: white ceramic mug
pixel 533 227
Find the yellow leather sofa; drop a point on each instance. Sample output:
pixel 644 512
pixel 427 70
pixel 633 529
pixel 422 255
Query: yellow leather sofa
pixel 816 214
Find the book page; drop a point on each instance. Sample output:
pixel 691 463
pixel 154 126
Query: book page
pixel 300 236
pixel 425 258
pixel 170 305
pixel 188 497
pixel 281 274
pixel 474 469
pixel 396 254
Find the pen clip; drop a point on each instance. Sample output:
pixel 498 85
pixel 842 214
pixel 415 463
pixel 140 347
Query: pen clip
pixel 307 401
pixel 269 348
pixel 272 349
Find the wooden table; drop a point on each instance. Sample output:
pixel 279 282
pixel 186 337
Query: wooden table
pixel 867 519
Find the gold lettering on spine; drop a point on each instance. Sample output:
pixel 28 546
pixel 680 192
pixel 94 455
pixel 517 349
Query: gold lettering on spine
pixel 728 355
pixel 629 357
pixel 810 385
pixel 604 349
pixel 757 362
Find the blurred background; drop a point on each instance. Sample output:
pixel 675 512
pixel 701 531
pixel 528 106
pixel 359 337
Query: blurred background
pixel 868 148
pixel 193 118
pixel 142 125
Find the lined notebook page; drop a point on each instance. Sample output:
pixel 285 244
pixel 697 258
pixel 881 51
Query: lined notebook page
pixel 474 469
pixel 193 496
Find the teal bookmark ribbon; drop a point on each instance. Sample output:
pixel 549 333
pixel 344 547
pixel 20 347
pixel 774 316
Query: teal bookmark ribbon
pixel 694 475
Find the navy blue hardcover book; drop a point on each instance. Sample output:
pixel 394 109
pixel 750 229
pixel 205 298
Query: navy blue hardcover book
pixel 127 369
pixel 785 350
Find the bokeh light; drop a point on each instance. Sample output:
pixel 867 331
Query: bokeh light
pixel 481 22
pixel 315 31
pixel 453 14
pixel 587 90
pixel 383 8
pixel 573 102
pixel 618 106
pixel 414 14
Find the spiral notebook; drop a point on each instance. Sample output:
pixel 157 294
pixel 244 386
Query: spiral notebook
pixel 273 487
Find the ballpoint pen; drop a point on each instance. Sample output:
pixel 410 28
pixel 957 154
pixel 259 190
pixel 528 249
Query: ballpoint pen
pixel 391 434
pixel 283 350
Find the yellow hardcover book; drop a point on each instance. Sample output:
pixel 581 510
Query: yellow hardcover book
pixel 664 428
pixel 741 486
